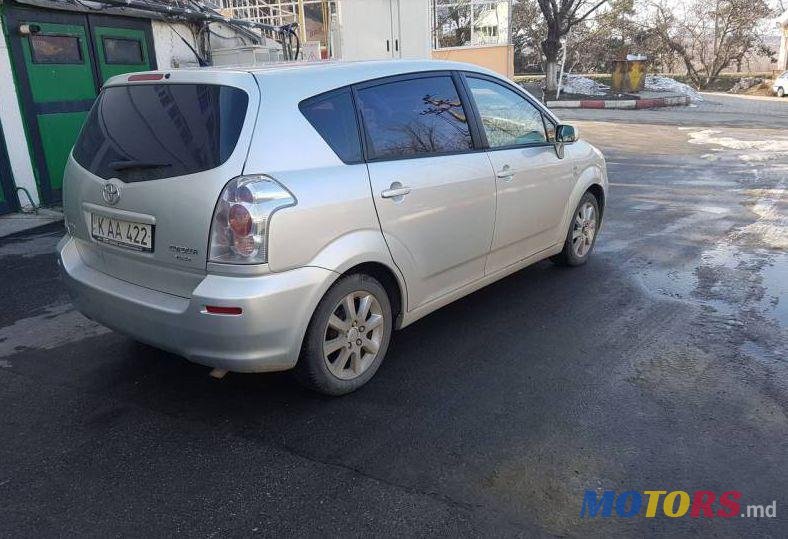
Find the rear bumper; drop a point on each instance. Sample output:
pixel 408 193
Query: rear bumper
pixel 266 337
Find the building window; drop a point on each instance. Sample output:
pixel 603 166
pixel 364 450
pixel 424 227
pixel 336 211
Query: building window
pixel 48 49
pixel 122 51
pixel 465 23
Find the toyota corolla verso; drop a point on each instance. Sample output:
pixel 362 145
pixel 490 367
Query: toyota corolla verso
pixel 294 216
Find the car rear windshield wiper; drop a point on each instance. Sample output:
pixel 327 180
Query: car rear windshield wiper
pixel 123 165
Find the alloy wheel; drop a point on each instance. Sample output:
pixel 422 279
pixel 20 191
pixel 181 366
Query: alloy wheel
pixel 353 335
pixel 584 230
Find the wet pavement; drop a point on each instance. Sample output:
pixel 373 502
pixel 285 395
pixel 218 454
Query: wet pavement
pixel 660 365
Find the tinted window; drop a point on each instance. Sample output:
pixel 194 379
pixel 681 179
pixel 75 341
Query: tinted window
pixel 122 51
pixel 55 49
pixel 152 131
pixel 334 117
pixel 508 118
pixel 413 117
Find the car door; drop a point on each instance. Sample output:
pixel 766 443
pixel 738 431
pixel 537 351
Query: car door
pixel 532 182
pixel 433 191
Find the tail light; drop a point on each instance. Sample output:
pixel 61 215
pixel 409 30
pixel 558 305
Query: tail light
pixel 239 231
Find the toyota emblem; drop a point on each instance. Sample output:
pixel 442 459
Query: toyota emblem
pixel 111 193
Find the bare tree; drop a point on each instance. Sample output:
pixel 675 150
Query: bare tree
pixel 528 32
pixel 560 17
pixel 709 36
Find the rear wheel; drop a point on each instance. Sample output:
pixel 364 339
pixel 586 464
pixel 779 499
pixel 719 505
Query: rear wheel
pixel 780 92
pixel 347 337
pixel 581 236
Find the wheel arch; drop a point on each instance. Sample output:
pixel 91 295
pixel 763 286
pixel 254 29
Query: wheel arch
pixel 599 193
pixel 390 282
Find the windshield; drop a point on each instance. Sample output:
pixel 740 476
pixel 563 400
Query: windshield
pixel 153 131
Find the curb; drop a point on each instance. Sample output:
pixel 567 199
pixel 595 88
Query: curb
pixel 14 224
pixel 627 104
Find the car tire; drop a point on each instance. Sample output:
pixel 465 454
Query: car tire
pixel 780 92
pixel 582 233
pixel 328 368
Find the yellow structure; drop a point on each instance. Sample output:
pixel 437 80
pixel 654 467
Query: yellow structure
pixel 499 58
pixel 629 75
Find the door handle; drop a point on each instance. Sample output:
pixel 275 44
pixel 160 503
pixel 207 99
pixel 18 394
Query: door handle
pixel 396 45
pixel 395 192
pixel 388 45
pixel 505 173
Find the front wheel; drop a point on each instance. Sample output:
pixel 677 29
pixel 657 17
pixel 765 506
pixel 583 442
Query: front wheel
pixel 347 337
pixel 780 92
pixel 581 236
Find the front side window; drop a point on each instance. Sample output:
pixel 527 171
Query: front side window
pixel 422 116
pixel 153 131
pixel 508 118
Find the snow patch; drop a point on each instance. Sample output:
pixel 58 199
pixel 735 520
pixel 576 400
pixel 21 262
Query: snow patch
pixel 771 227
pixel 658 83
pixel 58 325
pixel 575 84
pixel 755 150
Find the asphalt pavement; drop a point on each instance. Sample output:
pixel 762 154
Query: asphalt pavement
pixel 660 365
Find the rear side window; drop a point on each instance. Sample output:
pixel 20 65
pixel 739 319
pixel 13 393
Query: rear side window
pixel 153 131
pixel 413 117
pixel 334 117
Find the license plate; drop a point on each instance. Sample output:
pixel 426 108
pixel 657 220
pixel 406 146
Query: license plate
pixel 126 234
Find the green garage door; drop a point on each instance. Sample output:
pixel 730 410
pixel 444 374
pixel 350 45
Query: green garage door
pixel 60 61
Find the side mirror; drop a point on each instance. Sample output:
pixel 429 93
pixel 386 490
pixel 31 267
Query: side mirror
pixel 565 134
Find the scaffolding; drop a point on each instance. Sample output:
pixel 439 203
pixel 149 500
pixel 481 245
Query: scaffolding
pixel 313 16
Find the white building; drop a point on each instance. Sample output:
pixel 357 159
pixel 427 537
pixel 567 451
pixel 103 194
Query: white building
pixel 347 29
pixel 475 31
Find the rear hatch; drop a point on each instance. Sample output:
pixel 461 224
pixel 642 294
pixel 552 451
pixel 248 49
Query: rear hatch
pixel 143 180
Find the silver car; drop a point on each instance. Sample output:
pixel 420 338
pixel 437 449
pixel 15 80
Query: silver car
pixel 780 85
pixel 294 216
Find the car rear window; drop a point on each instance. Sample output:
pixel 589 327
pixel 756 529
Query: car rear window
pixel 334 117
pixel 153 131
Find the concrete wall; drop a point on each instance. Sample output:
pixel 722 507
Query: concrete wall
pixel 172 52
pixel 13 128
pixel 499 58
